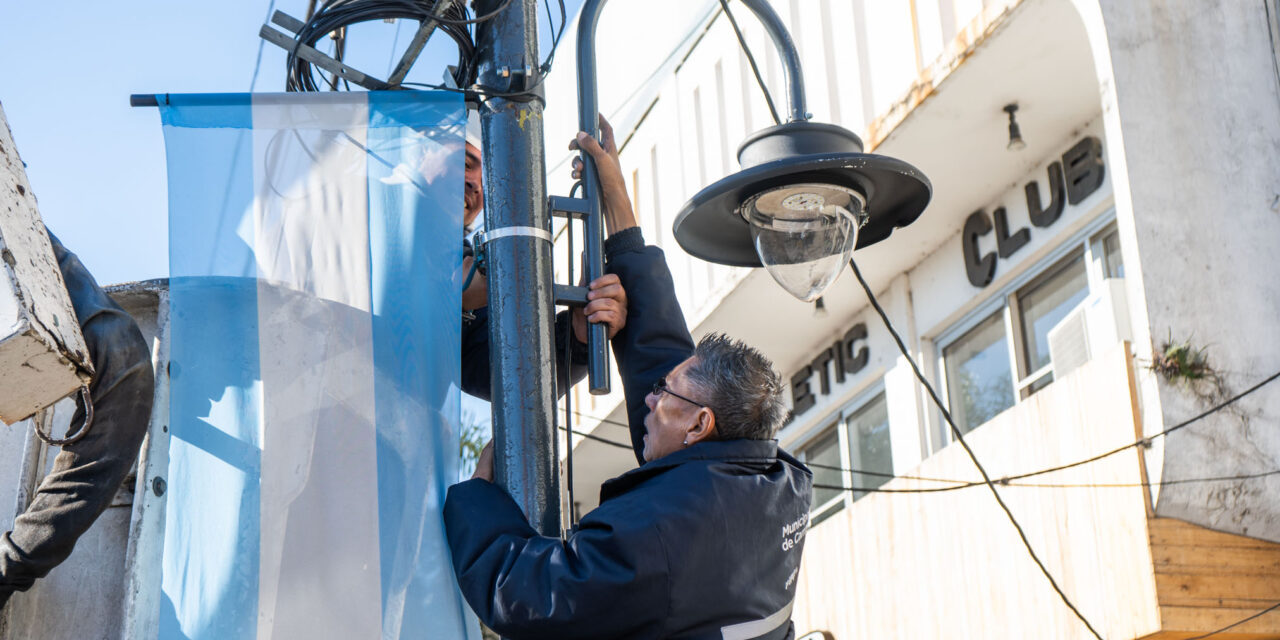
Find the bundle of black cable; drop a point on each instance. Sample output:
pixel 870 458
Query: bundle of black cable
pixel 333 18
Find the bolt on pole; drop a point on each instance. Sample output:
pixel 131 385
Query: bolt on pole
pixel 518 225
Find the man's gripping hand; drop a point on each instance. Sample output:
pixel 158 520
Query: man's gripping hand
pixel 606 303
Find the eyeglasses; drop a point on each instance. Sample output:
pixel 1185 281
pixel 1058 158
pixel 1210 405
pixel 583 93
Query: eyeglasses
pixel 660 387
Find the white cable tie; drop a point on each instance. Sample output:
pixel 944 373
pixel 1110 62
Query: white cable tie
pixel 505 232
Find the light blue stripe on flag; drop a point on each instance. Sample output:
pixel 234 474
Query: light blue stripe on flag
pixel 215 395
pixel 409 213
pixel 315 254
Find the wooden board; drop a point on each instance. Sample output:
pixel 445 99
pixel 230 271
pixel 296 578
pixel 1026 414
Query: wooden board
pixel 1206 580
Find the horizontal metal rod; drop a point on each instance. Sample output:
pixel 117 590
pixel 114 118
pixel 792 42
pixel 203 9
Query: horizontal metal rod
pixel 563 207
pixel 568 296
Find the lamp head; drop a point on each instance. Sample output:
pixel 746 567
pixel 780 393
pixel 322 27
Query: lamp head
pixel 805 198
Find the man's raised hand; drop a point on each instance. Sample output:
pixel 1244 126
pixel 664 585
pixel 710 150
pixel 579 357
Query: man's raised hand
pixel 617 206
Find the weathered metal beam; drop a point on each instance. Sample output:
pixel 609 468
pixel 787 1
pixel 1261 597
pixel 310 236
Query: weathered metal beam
pixel 425 29
pixel 321 60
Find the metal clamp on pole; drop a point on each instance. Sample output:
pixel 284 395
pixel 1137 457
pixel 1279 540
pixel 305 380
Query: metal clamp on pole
pixel 570 207
pixel 567 296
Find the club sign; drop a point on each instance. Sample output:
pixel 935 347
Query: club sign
pixel 1072 179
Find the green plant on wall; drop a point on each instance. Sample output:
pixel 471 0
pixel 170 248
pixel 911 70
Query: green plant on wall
pixel 1182 362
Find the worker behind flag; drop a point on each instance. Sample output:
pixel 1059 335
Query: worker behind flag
pixel 314 313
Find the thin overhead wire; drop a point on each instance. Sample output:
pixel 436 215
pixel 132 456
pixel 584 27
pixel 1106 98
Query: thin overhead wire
pixel 257 66
pixel 1050 485
pixel 1143 442
pixel 1238 623
pixel 986 479
pixel 592 436
pixel 568 377
pixel 1011 480
pixel 751 59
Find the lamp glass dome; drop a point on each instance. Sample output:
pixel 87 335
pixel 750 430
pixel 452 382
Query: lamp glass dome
pixel 804 233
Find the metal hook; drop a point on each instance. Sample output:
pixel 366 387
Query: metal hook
pixel 86 401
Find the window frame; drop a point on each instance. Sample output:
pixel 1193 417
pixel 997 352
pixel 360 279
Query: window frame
pixel 1089 240
pixel 1024 379
pixel 838 419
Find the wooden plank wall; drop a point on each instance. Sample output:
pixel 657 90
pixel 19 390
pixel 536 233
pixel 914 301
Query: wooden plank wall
pixel 949 565
pixel 1206 580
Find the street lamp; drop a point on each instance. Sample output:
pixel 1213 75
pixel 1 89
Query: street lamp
pixel 806 196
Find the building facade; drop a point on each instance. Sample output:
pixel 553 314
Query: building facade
pixel 1102 279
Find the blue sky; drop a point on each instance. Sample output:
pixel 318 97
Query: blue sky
pixel 96 165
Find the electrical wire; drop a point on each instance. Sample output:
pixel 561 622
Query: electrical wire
pixel 568 377
pixel 986 479
pixel 391 58
pixel 742 41
pixel 257 66
pixel 1063 485
pixel 1010 480
pixel 1237 623
pixel 880 474
pixel 335 16
pixel 1144 442
pixel 592 436
pixel 455 21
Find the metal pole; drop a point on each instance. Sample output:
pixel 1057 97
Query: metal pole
pixel 791 70
pixel 588 111
pixel 518 229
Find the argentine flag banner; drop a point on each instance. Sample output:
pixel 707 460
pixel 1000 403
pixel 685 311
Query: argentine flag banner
pixel 314 315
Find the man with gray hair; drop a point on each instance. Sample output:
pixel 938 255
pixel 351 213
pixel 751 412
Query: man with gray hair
pixel 703 540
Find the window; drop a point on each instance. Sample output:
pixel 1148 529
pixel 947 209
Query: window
pixel 1041 306
pixel 824 456
pixel 859 440
pixel 1004 355
pixel 979 384
pixel 1112 264
pixel 868 430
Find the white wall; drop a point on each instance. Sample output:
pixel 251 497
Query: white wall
pixel 1191 97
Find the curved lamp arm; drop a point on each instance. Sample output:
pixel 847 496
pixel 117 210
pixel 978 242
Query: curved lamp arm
pixel 589 107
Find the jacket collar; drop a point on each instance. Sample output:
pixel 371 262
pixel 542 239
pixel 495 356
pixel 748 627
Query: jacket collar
pixel 762 453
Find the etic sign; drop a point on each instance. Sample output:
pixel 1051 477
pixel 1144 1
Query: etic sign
pixel 1075 178
pixel 849 355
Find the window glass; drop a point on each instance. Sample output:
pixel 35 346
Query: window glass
pixel 824 454
pixel 979 383
pixel 869 444
pixel 1112 263
pixel 1045 304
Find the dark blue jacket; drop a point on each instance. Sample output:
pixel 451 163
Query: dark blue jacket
pixel 475 354
pixel 702 543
